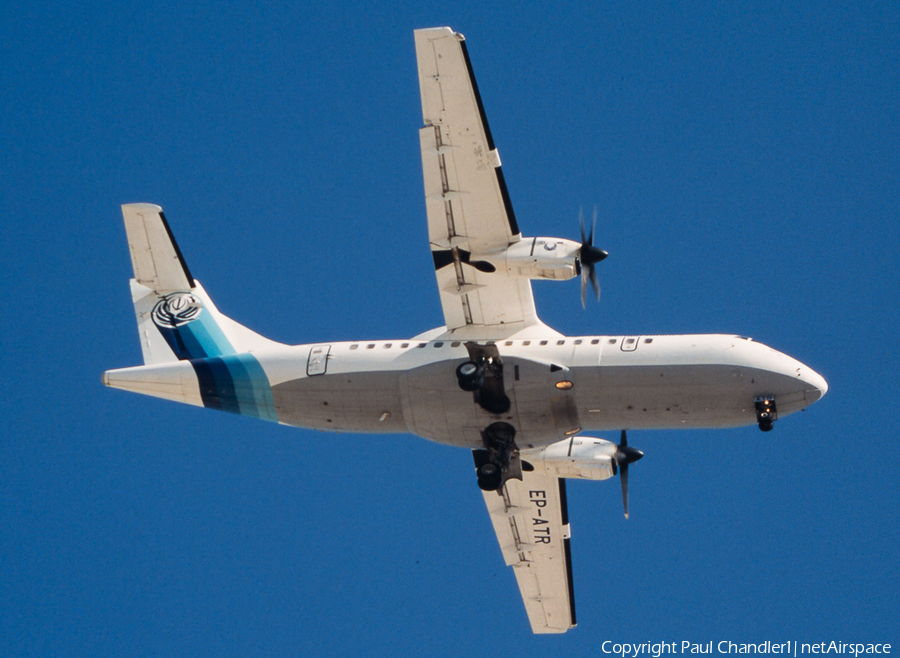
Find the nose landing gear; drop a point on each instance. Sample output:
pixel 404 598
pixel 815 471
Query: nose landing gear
pixel 766 412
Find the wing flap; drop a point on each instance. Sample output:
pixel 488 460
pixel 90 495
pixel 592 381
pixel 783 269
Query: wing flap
pixel 531 523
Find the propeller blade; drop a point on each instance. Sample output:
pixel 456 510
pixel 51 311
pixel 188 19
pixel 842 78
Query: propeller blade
pixel 594 283
pixel 624 457
pixel 588 256
pixel 581 223
pixel 584 282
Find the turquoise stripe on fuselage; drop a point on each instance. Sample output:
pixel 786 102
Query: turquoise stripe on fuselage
pixel 235 383
pixel 251 387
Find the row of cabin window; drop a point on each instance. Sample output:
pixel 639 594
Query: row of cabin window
pixel 456 343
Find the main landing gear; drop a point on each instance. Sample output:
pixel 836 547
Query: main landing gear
pixel 470 375
pixel 766 412
pixel 499 461
pixel 482 375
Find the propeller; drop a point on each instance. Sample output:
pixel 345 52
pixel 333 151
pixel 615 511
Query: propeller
pixel 625 456
pixel 588 256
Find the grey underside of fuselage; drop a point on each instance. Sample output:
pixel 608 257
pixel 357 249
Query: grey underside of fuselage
pixel 428 402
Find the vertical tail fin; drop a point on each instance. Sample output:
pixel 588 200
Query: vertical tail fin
pixel 176 318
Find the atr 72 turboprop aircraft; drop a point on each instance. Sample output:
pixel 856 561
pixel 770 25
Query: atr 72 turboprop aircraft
pixel 494 379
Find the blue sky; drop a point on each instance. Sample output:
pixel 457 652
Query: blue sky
pixel 743 157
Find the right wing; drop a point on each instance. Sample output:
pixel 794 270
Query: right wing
pixel 467 203
pixel 532 526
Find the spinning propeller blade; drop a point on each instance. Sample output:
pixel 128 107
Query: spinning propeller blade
pixel 589 256
pixel 624 457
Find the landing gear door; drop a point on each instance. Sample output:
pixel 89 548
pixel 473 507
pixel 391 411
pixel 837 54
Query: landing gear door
pixel 318 360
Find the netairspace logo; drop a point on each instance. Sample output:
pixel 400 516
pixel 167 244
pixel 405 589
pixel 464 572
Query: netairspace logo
pixel 790 648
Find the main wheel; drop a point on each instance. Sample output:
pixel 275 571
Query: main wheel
pixel 490 477
pixel 470 376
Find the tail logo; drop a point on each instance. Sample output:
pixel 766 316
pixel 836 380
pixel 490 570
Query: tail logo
pixel 176 309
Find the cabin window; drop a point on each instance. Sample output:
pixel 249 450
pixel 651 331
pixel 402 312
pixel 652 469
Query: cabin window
pixel 509 342
pixel 594 341
pixel 560 342
pixel 354 346
pixel 404 346
pixel 439 344
pixel 543 342
pixel 455 343
pixel 612 341
pixel 387 346
pixel 578 341
pixel 648 340
pixel 526 342
pixel 370 346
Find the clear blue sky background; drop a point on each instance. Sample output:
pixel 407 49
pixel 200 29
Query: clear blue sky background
pixel 744 159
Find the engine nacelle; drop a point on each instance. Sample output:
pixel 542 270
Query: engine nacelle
pixel 582 457
pixel 537 258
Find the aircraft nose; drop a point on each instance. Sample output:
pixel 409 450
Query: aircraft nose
pixel 816 386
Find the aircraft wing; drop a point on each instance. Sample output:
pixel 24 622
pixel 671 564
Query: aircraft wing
pixel 467 203
pixel 532 526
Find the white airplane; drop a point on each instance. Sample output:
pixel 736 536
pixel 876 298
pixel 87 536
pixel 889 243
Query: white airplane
pixel 494 379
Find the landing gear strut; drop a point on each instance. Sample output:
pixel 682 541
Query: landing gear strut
pixel 766 412
pixel 499 461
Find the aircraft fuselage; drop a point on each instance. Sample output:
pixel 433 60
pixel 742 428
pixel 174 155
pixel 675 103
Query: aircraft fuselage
pixel 557 386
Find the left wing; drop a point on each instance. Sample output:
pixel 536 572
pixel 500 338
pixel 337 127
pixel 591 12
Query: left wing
pixel 532 526
pixel 467 203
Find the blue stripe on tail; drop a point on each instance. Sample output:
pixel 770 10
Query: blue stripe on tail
pixel 228 381
pixel 198 339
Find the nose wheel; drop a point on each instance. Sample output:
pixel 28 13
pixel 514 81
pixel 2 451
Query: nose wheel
pixel 766 412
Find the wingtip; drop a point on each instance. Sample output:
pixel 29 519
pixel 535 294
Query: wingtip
pixel 151 207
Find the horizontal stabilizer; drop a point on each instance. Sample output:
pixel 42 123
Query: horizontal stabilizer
pixel 173 381
pixel 236 383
